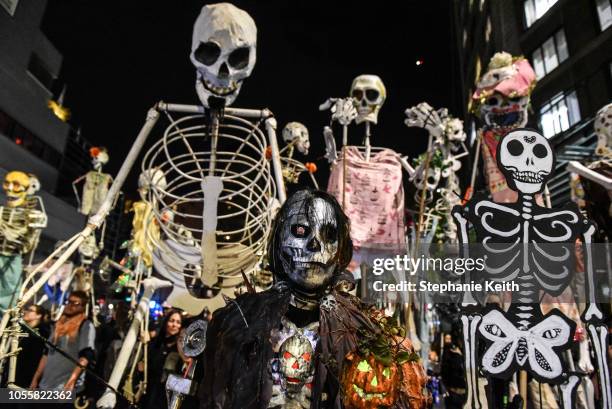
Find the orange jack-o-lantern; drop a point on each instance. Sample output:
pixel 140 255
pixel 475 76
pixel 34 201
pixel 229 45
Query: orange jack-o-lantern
pixel 369 384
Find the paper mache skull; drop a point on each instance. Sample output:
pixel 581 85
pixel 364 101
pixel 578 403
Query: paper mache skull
pixel 297 133
pixel 99 157
pixel 223 51
pixel 151 178
pixel 526 160
pixel 502 94
pixel 16 187
pixel 603 129
pixel 310 243
pixel 296 361
pixel 369 94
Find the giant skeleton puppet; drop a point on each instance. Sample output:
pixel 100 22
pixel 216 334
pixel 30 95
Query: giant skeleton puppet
pixel 304 343
pixel 532 246
pixel 501 100
pixel 21 220
pixel 215 211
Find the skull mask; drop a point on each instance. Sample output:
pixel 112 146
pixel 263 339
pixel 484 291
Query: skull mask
pixel 296 355
pixel 453 129
pixel 99 157
pixel 504 114
pixel 526 159
pixel 430 182
pixel 16 185
pixel 223 52
pixel 369 94
pixel 310 243
pixel 296 133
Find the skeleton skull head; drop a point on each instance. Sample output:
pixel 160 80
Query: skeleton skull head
pixel 296 355
pixel 151 178
pixel 16 185
pixel 603 129
pixel 453 130
pixel 429 180
pixel 297 133
pixel 223 52
pixel 503 114
pixel 526 159
pixel 369 94
pixel 99 157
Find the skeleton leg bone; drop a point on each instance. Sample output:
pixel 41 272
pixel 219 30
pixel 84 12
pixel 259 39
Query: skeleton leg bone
pixel 108 399
pixel 470 326
pixel 212 186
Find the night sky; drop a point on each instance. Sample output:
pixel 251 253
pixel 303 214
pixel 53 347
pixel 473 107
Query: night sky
pixel 120 58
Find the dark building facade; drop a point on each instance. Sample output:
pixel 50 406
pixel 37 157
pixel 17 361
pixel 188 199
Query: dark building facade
pixel 32 138
pixel 569 45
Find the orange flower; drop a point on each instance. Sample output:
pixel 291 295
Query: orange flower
pixel 94 152
pixel 269 153
pixel 310 167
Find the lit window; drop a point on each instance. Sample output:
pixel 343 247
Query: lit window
pixel 552 53
pixel 534 9
pixel 559 114
pixel 604 12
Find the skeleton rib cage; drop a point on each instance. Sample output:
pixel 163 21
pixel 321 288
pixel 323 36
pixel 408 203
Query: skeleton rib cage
pixel 186 155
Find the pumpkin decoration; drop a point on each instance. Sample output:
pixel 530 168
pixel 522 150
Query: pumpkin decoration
pixel 369 383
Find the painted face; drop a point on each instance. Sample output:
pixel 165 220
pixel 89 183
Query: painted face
pixel 369 94
pixel 296 355
pixel 223 52
pixel 310 244
pixel 526 160
pixel 504 114
pixel 173 326
pixel 16 185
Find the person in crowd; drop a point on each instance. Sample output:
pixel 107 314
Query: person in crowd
pixel 163 359
pixel 74 334
pixel 453 374
pixel 32 348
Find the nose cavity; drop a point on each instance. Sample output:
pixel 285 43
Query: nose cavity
pixel 314 245
pixel 223 71
pixel 364 103
pixel 295 365
pixel 530 161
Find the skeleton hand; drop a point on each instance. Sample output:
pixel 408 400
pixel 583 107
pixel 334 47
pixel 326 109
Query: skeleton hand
pixel 424 116
pixel 342 109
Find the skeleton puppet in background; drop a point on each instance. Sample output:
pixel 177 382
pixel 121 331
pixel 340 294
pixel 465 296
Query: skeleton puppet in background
pixel 96 183
pixel 501 101
pixel 21 222
pixel 532 246
pixel 295 136
pixel 286 346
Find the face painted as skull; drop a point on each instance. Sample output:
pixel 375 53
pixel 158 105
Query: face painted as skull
pixel 16 185
pixel 369 94
pixel 296 355
pixel 526 159
pixel 310 244
pixel 504 114
pixel 298 134
pixel 223 52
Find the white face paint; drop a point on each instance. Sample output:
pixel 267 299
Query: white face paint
pixel 298 134
pixel 504 114
pixel 310 244
pixel 369 94
pixel 526 159
pixel 223 52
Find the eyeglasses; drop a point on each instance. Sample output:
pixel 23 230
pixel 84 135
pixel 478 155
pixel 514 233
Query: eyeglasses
pixel 34 310
pixel 72 302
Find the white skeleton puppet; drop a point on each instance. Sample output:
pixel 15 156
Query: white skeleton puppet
pixel 446 147
pixel 531 246
pixel 295 136
pixel 96 183
pixel 21 220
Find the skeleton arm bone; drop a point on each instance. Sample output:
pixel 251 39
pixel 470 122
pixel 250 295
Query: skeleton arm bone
pixel 75 190
pixel 406 165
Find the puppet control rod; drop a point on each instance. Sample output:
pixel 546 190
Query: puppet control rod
pixel 96 221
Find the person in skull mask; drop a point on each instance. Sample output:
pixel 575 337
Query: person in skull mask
pixel 286 347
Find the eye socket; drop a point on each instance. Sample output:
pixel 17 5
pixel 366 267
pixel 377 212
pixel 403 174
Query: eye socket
pixel 492 101
pixel 300 231
pixel 387 372
pixel 364 366
pixel 372 95
pixel 207 53
pixel 515 99
pixel 329 232
pixel 239 58
pixel 306 356
pixel 515 147
pixel 358 94
pixel 540 151
pixel 287 355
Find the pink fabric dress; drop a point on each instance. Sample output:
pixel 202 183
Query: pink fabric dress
pixel 373 197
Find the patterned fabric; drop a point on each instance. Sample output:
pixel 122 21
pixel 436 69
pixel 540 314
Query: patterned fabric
pixel 496 182
pixel 94 191
pixel 373 197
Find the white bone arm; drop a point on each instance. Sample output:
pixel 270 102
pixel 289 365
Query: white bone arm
pixel 331 154
pixel 108 399
pixel 590 174
pixel 276 162
pixel 406 165
pixel 76 191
